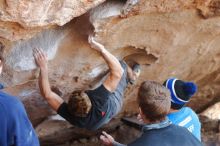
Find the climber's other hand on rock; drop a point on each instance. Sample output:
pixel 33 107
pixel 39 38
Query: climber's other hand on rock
pixel 95 45
pixel 40 58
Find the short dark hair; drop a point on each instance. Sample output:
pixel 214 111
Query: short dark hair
pixel 154 100
pixel 79 104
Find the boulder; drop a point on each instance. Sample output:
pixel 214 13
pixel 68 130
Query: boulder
pixel 169 39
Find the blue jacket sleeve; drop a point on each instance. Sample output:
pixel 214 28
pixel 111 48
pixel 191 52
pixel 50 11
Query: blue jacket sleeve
pixel 3 127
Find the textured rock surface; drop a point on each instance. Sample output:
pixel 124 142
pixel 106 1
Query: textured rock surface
pixel 13 31
pixel 213 112
pixel 210 131
pixel 44 12
pixel 21 19
pixel 178 38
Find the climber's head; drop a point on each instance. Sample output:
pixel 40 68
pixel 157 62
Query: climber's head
pixel 79 104
pixel 180 91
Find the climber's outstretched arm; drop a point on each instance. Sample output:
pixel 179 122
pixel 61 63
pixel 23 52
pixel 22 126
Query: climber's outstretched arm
pixel 52 98
pixel 116 71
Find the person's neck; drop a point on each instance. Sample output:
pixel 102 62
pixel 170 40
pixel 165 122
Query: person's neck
pixel 173 110
pixel 156 124
pixel 148 122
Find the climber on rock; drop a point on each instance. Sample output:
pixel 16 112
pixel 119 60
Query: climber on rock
pixel 181 92
pixel 15 126
pixel 90 109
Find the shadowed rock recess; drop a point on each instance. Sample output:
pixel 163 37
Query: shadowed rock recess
pixel 169 39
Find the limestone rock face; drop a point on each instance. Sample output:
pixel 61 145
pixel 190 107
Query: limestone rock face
pixel 212 112
pixel 169 39
pixel 44 12
pixel 13 31
pixel 21 19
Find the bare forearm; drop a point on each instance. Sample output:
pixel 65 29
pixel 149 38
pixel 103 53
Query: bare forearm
pixel 116 71
pixel 44 83
pixel 52 98
pixel 112 61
